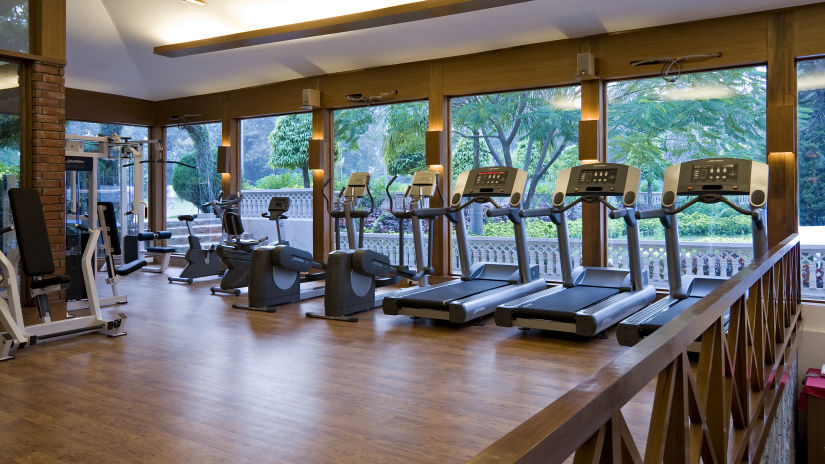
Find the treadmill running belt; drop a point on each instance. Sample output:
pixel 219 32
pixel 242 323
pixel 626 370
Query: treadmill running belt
pixel 663 317
pixel 562 306
pixel 440 297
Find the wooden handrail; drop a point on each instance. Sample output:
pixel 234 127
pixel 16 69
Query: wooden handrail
pixel 557 431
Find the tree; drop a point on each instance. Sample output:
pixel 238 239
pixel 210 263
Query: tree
pixel 404 143
pixel 811 155
pixel 185 181
pixel 14 26
pixel 534 123
pixel 653 124
pixel 289 144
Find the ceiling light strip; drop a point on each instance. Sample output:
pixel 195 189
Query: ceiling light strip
pixel 365 20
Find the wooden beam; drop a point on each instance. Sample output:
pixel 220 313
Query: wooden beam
pixel 157 180
pixel 783 208
pixel 47 28
pixel 415 11
pixel 438 157
pixel 85 105
pixel 322 223
pixel 592 149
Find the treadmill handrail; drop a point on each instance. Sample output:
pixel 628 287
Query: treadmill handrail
pixel 430 212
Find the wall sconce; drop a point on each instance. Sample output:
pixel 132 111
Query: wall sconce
pixel 434 141
pixel 778 155
pixel 223 160
pixel 589 141
pixel 316 151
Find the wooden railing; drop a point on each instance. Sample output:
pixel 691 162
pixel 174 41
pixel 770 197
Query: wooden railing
pixel 718 410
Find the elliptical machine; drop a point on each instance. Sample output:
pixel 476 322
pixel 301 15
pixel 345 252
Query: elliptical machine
pixel 235 253
pixel 352 274
pixel 423 185
pixel 277 272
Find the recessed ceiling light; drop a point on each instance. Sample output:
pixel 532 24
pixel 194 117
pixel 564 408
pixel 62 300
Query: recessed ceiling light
pixel 195 2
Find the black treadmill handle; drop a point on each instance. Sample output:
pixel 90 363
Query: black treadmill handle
pixel 620 213
pixel 6 229
pixel 430 212
pixel 499 212
pixel 651 213
pixel 525 213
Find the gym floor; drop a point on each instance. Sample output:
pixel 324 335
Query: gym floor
pixel 198 381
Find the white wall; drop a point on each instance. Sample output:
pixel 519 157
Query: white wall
pixel 812 341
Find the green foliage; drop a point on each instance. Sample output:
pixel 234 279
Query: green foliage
pixel 289 143
pixel 529 130
pixel 811 154
pixel 277 181
pixel 404 139
pixel 187 184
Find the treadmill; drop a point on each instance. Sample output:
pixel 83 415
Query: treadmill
pixel 707 181
pixel 590 299
pixel 483 285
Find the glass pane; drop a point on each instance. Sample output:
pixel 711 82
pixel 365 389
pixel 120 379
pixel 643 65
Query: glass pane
pixel 14 25
pixel 653 124
pixel 108 170
pixel 274 163
pixel 535 130
pixel 383 140
pixel 9 144
pixel 190 187
pixel 811 158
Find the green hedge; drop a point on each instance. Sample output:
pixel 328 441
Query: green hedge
pixel 690 224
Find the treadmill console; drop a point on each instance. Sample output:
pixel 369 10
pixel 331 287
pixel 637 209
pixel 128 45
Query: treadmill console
pixel 357 184
pixel 495 181
pixel 423 183
pixel 603 179
pixel 721 176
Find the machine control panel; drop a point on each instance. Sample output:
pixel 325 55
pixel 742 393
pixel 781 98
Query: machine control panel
pixel 357 184
pixel 602 179
pixel 496 181
pixel 423 183
pixel 723 176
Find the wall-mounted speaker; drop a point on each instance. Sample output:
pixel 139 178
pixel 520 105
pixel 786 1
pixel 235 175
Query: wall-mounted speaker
pixel 585 64
pixel 310 99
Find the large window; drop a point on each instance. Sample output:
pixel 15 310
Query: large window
pixel 274 154
pixel 536 131
pixel 9 142
pixel 188 188
pixel 109 186
pixel 383 140
pixel 811 158
pixel 14 25
pixel 652 124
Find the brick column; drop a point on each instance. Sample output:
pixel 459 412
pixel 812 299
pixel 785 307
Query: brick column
pixel 48 171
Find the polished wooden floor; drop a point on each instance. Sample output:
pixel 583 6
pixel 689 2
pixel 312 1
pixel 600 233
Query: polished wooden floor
pixel 198 381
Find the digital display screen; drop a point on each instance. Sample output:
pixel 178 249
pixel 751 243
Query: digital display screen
pixel 491 178
pixel 597 177
pixel 713 172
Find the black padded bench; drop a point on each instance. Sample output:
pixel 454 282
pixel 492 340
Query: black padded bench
pixel 164 251
pixel 33 246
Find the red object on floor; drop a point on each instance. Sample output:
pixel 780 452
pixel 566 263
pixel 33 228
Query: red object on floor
pixel 814 386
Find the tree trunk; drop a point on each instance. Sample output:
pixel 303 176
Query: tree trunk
pixel 203 160
pixel 305 172
pixel 650 194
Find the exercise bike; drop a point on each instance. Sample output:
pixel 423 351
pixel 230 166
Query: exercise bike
pixel 235 253
pixel 200 262
pixel 278 271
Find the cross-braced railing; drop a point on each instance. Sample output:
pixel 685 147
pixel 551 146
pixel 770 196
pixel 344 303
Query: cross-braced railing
pixel 717 410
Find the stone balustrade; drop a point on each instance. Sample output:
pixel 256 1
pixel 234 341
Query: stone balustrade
pixel 256 202
pixel 698 258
